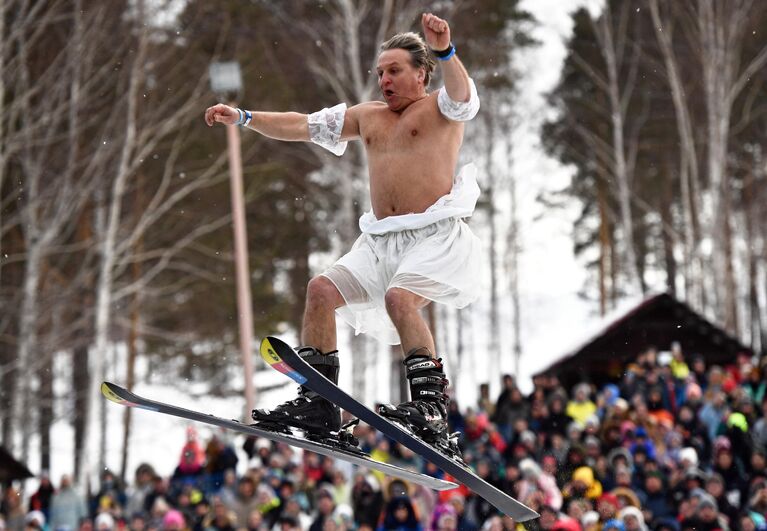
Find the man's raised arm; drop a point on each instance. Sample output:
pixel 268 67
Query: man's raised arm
pixel 459 100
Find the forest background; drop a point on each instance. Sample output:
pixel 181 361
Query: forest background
pixel 645 157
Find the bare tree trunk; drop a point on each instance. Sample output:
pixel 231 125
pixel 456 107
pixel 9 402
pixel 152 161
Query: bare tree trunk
pixel 513 249
pixel 604 243
pixel 133 333
pixel 721 29
pixel 755 327
pixel 113 215
pixel 81 415
pixel 45 394
pixel 619 98
pixel 493 359
pixel 666 202
pixel 688 165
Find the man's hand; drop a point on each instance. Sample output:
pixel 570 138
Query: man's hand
pixel 436 31
pixel 221 113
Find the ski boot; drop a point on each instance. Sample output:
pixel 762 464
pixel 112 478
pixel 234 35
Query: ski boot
pixel 426 414
pixel 309 412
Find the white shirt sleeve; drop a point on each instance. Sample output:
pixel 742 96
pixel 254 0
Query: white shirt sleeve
pixel 459 111
pixel 325 128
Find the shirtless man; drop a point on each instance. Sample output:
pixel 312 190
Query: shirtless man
pixel 414 246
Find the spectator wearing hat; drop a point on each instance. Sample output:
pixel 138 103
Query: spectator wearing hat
pixel 325 507
pixel 679 368
pixel 705 517
pixel 633 519
pixel 583 484
pixel 173 521
pixel 557 420
pixel 715 487
pixel 590 521
pixel 444 518
pixel 739 438
pixel 292 508
pixel 534 479
pixel 657 502
pixel 734 476
pixel 367 500
pixel 581 406
pixel 34 521
pixel 627 497
pixel 608 506
pixel 400 515
pixel 267 503
pixel 566 524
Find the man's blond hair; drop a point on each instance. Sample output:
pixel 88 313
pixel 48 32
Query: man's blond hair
pixel 414 44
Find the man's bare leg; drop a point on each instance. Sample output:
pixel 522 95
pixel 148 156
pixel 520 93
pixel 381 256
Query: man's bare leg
pixel 319 327
pixel 404 309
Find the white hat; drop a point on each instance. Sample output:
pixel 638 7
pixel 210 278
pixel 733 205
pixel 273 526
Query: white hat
pixel 104 521
pixel 689 454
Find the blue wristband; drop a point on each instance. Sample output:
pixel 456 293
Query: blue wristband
pixel 445 55
pixel 248 118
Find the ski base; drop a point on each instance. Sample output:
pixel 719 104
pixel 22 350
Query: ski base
pixel 337 450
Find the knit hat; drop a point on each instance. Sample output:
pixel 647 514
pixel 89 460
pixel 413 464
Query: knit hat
pixel 173 518
pixel 706 500
pixel 689 454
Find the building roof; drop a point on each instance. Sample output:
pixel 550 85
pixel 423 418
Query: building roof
pixel 658 320
pixel 11 469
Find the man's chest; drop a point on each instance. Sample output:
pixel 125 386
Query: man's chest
pixel 385 130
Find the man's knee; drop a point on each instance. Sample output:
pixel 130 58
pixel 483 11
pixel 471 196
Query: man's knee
pixel 401 303
pixel 321 292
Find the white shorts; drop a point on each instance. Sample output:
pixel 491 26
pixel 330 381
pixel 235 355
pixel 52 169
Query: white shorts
pixel 440 262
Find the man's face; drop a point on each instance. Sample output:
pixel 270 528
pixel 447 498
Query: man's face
pixel 401 83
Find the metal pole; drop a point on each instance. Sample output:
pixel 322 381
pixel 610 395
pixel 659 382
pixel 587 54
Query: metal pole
pixel 244 306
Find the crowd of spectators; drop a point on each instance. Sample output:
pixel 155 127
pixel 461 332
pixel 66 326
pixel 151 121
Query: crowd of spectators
pixel 673 445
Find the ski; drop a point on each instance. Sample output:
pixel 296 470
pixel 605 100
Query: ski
pixel 122 396
pixel 283 358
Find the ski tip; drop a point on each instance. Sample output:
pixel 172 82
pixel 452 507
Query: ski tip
pixel 108 390
pixel 270 347
pixel 531 515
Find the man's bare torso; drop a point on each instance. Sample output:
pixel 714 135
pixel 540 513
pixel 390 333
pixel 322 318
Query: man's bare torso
pixel 411 155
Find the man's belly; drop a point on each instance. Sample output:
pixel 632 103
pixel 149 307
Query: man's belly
pixel 406 193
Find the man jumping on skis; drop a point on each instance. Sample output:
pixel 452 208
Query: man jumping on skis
pixel 414 246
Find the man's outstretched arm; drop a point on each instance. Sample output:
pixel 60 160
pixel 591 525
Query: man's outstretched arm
pixel 290 126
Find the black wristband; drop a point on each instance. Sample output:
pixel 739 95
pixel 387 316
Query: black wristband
pixel 450 50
